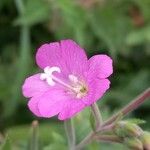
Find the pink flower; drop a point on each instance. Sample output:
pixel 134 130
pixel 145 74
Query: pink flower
pixel 70 81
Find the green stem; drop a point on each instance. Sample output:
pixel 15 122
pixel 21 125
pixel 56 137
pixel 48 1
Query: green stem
pixel 34 139
pixel 23 63
pixel 97 115
pixel 70 132
pixel 108 138
pixel 88 139
pixel 20 6
pixel 91 136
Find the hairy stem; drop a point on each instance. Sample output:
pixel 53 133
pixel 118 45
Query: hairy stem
pixel 97 115
pixel 88 139
pixel 70 132
pixel 106 128
pixel 108 138
pixel 109 123
pixel 130 107
pixel 91 136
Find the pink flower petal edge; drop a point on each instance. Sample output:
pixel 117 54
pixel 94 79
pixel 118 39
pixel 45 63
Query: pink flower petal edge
pixel 70 81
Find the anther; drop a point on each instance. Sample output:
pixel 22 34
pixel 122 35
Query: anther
pixel 73 78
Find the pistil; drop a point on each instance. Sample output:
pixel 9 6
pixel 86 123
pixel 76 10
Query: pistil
pixel 76 87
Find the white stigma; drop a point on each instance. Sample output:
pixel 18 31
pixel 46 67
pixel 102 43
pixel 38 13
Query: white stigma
pixel 48 74
pixel 74 86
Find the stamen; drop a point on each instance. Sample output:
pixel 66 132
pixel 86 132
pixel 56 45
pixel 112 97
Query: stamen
pixel 76 87
pixel 51 79
pixel 73 78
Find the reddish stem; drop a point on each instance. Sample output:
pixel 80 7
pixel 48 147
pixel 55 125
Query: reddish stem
pixel 109 123
pixel 107 138
pixel 130 107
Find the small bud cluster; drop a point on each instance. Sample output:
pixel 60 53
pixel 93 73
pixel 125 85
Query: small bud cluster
pixel 145 138
pixel 133 143
pixel 133 136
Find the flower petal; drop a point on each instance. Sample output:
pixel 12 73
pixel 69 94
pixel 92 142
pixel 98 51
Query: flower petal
pixel 67 55
pixel 48 55
pixel 33 106
pixel 101 66
pixel 52 102
pixel 74 56
pixel 70 108
pixel 100 86
pixel 34 86
pixel 97 88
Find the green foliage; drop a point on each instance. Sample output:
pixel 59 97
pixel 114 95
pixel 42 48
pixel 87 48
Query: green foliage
pixel 35 11
pixel 6 145
pixel 139 37
pixel 109 26
pixel 136 121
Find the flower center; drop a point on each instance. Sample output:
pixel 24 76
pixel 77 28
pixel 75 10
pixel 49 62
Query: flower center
pixel 75 86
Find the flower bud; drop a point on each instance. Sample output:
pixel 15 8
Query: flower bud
pixel 133 143
pixel 127 129
pixel 145 138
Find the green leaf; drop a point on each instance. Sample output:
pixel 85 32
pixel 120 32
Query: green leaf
pixel 36 11
pixel 110 27
pixel 140 36
pixel 6 145
pixel 55 146
pixel 144 8
pixel 94 146
pixel 136 121
pixel 58 137
pixel 69 16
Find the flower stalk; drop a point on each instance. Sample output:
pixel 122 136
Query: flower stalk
pixel 108 138
pixel 34 139
pixel 88 139
pixel 130 107
pixel 97 115
pixel 110 122
pixel 70 132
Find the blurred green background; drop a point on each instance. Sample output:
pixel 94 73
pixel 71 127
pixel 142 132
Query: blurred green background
pixel 119 28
